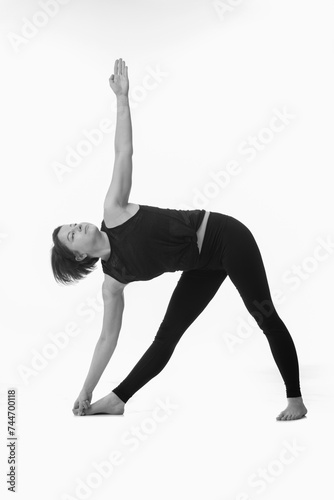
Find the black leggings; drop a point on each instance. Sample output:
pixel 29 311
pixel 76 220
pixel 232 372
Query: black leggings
pixel 229 249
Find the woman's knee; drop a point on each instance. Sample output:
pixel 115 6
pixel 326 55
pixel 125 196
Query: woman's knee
pixel 169 336
pixel 264 313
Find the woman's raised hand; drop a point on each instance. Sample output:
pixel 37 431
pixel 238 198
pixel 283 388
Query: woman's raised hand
pixel 119 81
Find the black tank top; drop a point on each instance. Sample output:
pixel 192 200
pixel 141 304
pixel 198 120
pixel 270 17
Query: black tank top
pixel 152 242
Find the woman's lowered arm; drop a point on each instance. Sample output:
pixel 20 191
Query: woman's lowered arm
pixel 112 321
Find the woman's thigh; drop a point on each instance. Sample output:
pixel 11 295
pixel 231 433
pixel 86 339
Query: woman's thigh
pixel 244 265
pixel 193 292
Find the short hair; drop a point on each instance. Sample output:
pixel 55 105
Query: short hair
pixel 66 269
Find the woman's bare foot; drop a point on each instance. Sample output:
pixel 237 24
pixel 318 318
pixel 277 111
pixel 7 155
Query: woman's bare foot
pixel 295 409
pixel 110 404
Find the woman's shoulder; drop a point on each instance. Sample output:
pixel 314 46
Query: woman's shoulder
pixel 111 286
pixel 114 216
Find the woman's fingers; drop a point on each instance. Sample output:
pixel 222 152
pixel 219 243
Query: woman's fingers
pixel 120 68
pixel 85 404
pixel 81 410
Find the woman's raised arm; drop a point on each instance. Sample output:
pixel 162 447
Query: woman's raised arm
pixel 120 186
pixel 119 82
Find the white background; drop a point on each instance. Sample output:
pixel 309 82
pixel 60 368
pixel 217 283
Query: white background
pixel 226 67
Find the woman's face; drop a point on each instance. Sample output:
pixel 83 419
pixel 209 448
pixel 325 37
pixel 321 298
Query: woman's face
pixel 80 237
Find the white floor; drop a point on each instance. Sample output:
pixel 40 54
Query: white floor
pixel 179 441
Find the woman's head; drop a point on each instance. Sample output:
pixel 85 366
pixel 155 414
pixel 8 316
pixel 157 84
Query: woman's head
pixel 72 256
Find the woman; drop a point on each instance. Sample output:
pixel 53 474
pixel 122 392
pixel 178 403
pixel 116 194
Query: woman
pixel 140 242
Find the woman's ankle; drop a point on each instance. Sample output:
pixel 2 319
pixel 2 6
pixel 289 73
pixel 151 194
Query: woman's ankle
pixel 117 399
